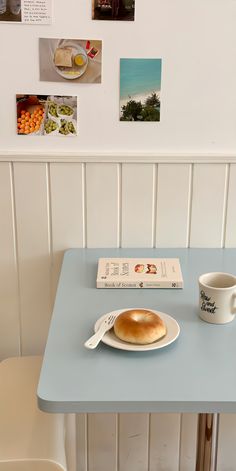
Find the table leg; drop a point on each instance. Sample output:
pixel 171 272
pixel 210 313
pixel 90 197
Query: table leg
pixel 207 442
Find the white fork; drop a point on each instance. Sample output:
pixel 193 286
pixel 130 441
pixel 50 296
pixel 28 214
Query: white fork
pixel 106 325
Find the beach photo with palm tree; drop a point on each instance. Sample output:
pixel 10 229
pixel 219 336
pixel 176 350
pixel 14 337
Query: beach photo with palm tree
pixel 140 87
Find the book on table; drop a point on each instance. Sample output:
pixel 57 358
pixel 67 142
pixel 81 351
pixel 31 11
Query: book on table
pixel 139 273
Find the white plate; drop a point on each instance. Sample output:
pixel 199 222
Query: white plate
pixel 66 72
pixel 110 338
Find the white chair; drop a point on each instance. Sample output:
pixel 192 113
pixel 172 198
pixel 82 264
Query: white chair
pixel 30 440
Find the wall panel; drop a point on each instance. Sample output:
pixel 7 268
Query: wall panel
pixel 67 214
pixel 33 248
pixel 164 442
pixel 9 304
pixel 226 459
pixel 82 442
pixel 70 442
pixel 208 205
pixel 188 442
pixel 133 442
pixel 47 208
pixel 173 198
pixel 102 205
pixel 102 442
pixel 138 190
pixel 230 235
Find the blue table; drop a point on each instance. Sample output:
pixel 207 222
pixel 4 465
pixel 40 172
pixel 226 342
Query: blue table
pixel 196 373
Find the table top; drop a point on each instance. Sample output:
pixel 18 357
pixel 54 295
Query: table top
pixel 196 373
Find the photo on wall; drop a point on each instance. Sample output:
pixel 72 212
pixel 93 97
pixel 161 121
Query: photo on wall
pixel 46 115
pixel 10 10
pixel 76 60
pixel 33 12
pixel 140 88
pixel 120 10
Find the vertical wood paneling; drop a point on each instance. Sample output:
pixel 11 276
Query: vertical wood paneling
pixel 102 205
pixel 82 442
pixel 230 236
pixel 67 224
pixel 32 218
pixel 226 459
pixel 137 205
pixel 70 442
pixel 173 193
pixel 51 213
pixel 164 442
pixel 133 442
pixel 9 309
pixel 102 448
pixel 188 442
pixel 208 201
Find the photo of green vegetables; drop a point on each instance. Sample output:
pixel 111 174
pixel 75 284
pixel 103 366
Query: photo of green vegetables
pixel 46 115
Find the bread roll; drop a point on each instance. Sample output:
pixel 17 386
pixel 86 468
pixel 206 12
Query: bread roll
pixel 139 326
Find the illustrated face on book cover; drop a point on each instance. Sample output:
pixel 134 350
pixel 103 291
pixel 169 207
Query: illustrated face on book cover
pixel 151 268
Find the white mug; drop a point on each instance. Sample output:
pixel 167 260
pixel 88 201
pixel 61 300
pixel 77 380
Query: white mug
pixel 217 297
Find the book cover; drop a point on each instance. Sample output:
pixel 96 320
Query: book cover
pixel 139 273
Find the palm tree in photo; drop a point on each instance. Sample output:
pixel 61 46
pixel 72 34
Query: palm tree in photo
pixel 153 100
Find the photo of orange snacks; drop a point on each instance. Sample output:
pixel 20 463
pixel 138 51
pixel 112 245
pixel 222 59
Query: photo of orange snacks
pixel 29 122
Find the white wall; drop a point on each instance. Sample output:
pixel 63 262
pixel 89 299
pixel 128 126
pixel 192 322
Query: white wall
pixel 196 41
pixel 47 207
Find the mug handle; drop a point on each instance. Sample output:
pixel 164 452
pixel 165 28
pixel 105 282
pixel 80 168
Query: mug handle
pixel 234 304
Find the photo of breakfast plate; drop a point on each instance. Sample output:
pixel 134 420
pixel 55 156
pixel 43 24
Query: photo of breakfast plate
pixel 79 60
pixel 70 61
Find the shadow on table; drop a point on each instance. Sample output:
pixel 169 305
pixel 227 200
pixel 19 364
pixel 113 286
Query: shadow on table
pixel 146 354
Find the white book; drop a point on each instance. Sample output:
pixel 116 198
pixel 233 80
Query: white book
pixel 139 273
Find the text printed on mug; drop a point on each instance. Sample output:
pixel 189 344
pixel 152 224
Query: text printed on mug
pixel 207 305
